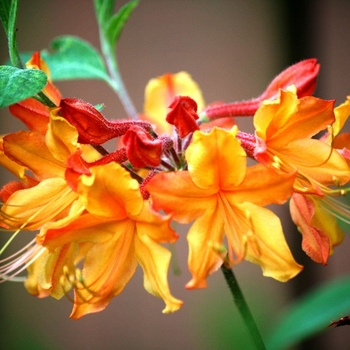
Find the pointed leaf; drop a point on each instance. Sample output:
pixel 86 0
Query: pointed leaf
pixel 104 11
pixel 117 22
pixel 8 13
pixel 312 314
pixel 5 13
pixel 74 58
pixel 18 84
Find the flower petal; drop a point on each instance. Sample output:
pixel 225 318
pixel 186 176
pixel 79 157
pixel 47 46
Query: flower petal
pixel 204 237
pixel 108 267
pixel 287 119
pixel 29 149
pixel 32 207
pixel 154 260
pixel 176 194
pixel 111 185
pixel 267 246
pixel 216 159
pixel 315 242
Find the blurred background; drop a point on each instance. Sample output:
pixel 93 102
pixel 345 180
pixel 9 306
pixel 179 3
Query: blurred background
pixel 232 48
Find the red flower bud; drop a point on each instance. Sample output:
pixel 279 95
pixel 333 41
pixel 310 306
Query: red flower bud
pixel 93 128
pixel 183 115
pixel 91 125
pixel 303 75
pixel 142 150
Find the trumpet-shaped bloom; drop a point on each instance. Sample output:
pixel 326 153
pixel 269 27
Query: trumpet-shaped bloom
pixel 284 130
pixel 225 199
pixel 123 231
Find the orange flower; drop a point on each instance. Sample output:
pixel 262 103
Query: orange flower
pixel 284 130
pixel 225 198
pixel 123 231
pixel 40 197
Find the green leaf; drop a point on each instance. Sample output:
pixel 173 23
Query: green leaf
pixel 18 84
pixel 117 22
pixel 312 314
pixel 104 10
pixel 5 13
pixel 74 58
pixel 8 13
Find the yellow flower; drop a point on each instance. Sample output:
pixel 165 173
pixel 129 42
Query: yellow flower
pixel 123 231
pixel 224 198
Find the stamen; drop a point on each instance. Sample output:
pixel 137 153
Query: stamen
pixel 336 208
pixel 11 269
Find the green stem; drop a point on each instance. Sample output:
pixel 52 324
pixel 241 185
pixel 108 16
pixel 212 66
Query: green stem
pixel 242 306
pixel 116 82
pixel 42 98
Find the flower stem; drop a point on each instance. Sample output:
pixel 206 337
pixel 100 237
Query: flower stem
pixel 242 306
pixel 117 83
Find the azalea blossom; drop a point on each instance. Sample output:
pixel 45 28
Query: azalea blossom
pixel 284 131
pixel 283 140
pixel 224 198
pixel 122 233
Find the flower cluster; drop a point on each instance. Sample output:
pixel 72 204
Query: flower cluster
pixel 99 214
